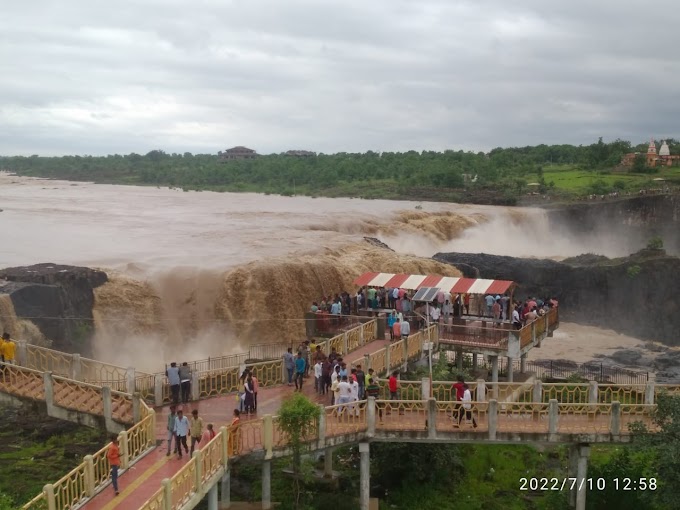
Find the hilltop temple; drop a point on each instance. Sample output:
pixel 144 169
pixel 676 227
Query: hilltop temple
pixel 654 159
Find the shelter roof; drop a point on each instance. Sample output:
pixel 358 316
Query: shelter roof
pixel 445 283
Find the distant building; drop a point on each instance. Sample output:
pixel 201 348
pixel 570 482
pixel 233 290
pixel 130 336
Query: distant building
pixel 654 158
pixel 236 153
pixel 299 154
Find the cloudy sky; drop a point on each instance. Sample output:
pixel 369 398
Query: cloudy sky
pixel 94 77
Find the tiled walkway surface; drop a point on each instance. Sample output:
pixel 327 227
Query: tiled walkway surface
pixel 144 478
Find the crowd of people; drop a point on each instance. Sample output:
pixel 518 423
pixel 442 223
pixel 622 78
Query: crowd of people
pixel 531 309
pixel 179 379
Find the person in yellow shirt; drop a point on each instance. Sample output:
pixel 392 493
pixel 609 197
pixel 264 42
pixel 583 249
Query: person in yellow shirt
pixel 9 349
pixel 2 347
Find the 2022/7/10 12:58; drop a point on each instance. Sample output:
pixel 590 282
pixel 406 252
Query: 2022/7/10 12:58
pixel 590 484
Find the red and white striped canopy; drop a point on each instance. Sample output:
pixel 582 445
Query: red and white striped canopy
pixel 451 284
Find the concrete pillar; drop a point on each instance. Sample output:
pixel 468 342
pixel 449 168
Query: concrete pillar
pixel 266 484
pixel 225 490
pixel 328 462
pixel 212 498
pixel 494 369
pixel 48 383
pixel 136 408
pixel 197 457
pixel 167 493
pixel 362 341
pixel 89 476
pixel 474 361
pixel 582 473
pixel 76 367
pixel 553 414
pixel 365 470
pixel 615 424
pixel 22 353
pixel 649 393
pixel 367 362
pixel 388 364
pixel 195 386
pixel 431 418
pixel 572 473
pixel 510 368
pixel 538 392
pixel 268 436
pixel 158 391
pixel 322 425
pixel 370 417
pixel 493 419
pixel 404 346
pixel 49 496
pixel 523 363
pixel 108 409
pixel 425 389
pixel 124 449
pixel 459 358
pixel 130 380
pixel 592 392
pixel 481 390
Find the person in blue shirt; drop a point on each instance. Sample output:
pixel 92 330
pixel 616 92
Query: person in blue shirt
pixel 391 319
pixel 300 367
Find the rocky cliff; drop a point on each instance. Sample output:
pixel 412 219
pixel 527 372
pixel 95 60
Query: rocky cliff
pixel 57 299
pixel 636 295
pixel 632 221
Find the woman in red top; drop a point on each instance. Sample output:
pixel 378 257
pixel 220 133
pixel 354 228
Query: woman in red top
pixel 113 455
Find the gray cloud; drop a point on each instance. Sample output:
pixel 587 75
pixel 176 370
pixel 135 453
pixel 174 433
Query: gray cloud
pixel 80 77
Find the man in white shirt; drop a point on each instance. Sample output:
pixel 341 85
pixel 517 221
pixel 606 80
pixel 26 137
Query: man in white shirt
pixel 435 314
pixel 354 408
pixel 467 406
pixel 516 320
pixel 405 330
pixel 318 376
pixel 181 431
pixel 344 394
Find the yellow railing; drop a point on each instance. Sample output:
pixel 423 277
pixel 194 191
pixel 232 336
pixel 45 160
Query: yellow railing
pixel 49 360
pixel 369 331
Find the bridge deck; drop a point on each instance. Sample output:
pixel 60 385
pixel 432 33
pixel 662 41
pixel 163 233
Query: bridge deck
pixel 144 478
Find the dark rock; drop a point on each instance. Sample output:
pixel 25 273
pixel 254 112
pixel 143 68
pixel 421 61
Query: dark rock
pixel 377 242
pixel 57 299
pixel 635 295
pixel 626 357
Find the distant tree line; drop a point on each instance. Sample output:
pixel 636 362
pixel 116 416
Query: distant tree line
pixel 281 173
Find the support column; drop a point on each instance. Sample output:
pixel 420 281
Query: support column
pixel 649 393
pixel 493 419
pixel 510 367
pixel 365 470
pixel 494 369
pixel 225 490
pixel 523 363
pixel 266 484
pixel 158 390
pixel 425 389
pixel 212 498
pixel 474 361
pixel 328 462
pixel 195 387
pixel 582 473
pixel 107 405
pixel 131 380
pixel 459 359
pixel 22 353
pixel 76 367
pixel 572 472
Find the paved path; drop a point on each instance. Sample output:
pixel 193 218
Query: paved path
pixel 144 478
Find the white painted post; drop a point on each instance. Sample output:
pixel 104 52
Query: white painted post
pixel 224 432
pixel 365 476
pixel 493 419
pixel 481 390
pixel 322 425
pixel 538 391
pixel 345 344
pixel 76 367
pixel 431 418
pixel 266 484
pixel 124 449
pixel 212 498
pixel 130 378
pixel 583 454
pixel 158 391
pixel 370 417
pixel 49 496
pixel 195 386
pixel 328 462
pixel 425 389
pixel 107 404
pixel 593 392
pixel 268 440
pixel 649 393
pixel 361 335
pixel 510 369
pixel 198 470
pixel 367 362
pixel 388 364
pixel 225 490
pixel 48 383
pixel 22 353
pixel 136 408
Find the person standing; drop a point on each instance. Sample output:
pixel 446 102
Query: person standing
pixel 289 363
pixel 208 435
pixel 373 390
pixel 405 329
pixel 467 406
pixel 234 437
pixel 185 382
pixel 318 376
pixel 458 390
pixel 171 430
pixel 396 330
pixel 354 408
pixel 335 380
pixel 249 402
pixel 172 373
pixel 113 456
pixel 391 319
pixel 361 379
pixel 195 429
pixel 181 430
pixel 300 367
pixel 8 350
pixel 393 385
pixel 256 386
pixel 344 395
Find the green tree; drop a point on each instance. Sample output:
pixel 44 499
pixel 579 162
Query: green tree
pixel 664 444
pixel 655 243
pixel 298 418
